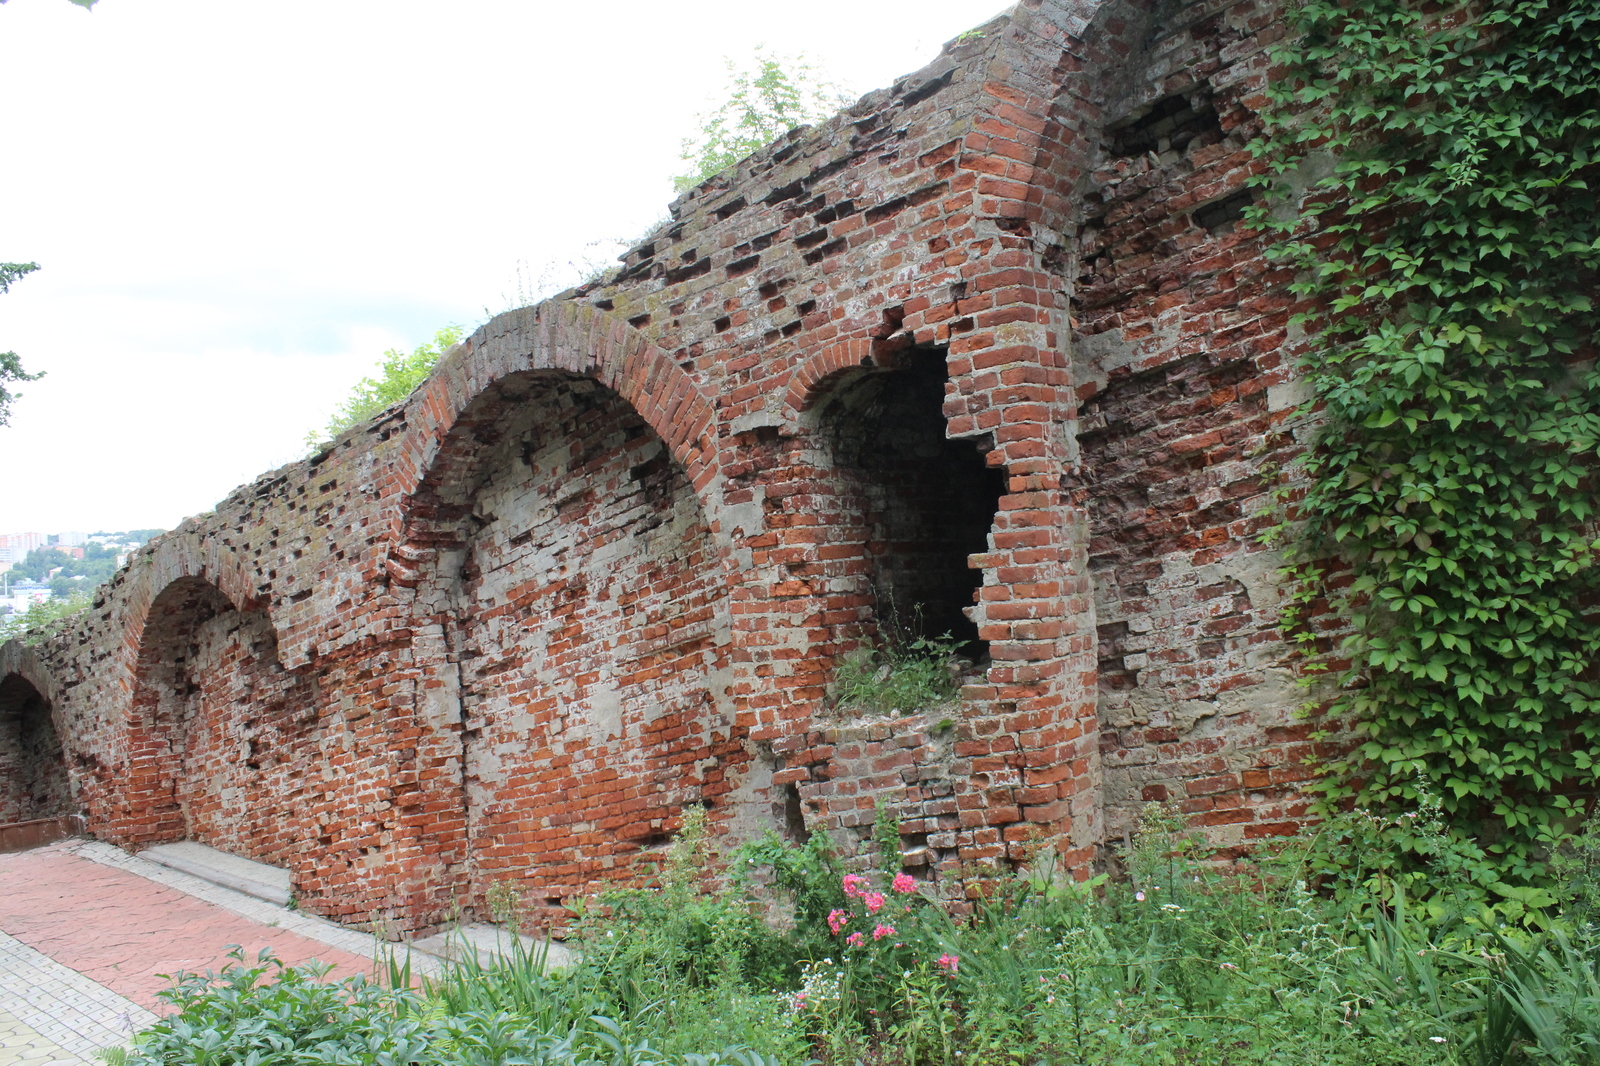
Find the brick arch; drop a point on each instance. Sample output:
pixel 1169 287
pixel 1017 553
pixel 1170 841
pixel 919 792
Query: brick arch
pixel 17 658
pixel 821 371
pixel 128 801
pixel 1033 140
pixel 559 732
pixel 34 780
pixel 573 339
pixel 176 557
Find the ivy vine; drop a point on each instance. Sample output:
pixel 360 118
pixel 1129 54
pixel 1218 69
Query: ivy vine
pixel 1450 245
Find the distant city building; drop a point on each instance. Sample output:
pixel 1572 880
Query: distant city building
pixel 14 547
pixel 24 594
pixel 69 539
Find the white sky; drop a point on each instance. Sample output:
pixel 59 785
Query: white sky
pixel 238 206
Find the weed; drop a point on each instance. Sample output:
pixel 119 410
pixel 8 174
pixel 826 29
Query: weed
pixel 1183 963
pixel 916 674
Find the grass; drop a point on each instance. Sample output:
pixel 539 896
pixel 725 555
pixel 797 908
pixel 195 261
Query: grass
pixel 903 676
pixel 1177 963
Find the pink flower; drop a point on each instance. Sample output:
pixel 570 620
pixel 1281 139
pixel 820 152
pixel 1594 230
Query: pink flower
pixel 873 900
pixel 882 931
pixel 1139 896
pixel 854 885
pixel 949 963
pixel 837 920
pixel 903 884
pixel 855 939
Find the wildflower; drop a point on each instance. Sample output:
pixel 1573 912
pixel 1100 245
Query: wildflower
pixel 855 939
pixel 904 884
pixel 854 885
pixel 949 963
pixel 882 931
pixel 1226 966
pixel 838 919
pixel 1139 896
pixel 1437 1039
pixel 873 900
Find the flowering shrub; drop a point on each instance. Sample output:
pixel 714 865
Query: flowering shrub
pixel 1179 966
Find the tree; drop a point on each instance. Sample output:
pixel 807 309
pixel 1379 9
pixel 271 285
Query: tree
pixel 398 374
pixel 10 365
pixel 42 619
pixel 764 103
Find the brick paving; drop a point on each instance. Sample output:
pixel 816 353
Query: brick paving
pixel 86 931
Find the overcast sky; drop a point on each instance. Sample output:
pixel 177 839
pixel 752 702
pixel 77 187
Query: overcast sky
pixel 239 206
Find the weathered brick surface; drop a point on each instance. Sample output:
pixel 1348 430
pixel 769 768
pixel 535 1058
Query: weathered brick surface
pixel 990 342
pixel 33 773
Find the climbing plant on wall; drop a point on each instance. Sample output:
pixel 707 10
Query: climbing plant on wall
pixel 1451 244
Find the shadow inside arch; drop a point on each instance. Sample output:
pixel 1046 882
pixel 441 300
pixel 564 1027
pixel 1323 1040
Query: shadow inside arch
pixel 569 598
pixel 33 770
pixel 218 732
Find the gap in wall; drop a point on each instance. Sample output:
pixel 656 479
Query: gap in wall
pixel 928 501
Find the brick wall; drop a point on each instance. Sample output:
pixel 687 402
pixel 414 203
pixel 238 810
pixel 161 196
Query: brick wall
pixel 991 343
pixel 1180 358
pixel 33 775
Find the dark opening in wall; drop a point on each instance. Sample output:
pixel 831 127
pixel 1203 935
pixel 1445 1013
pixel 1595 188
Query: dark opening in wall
pixel 1170 123
pixel 794 816
pixel 1219 216
pixel 33 774
pixel 927 501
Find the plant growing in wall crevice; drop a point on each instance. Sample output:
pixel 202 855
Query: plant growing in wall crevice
pixel 1451 255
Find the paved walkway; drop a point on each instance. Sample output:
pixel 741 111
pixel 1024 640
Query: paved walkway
pixel 86 931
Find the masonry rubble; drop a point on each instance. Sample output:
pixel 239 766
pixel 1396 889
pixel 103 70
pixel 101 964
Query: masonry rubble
pixel 989 353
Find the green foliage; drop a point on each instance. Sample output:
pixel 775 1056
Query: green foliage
pixel 270 1014
pixel 1183 964
pixel 398 375
pixel 99 562
pixel 42 620
pixel 10 366
pixel 902 676
pixel 763 104
pixel 1452 249
pixel 1575 869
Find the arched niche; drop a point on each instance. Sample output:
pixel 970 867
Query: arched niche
pixel 218 730
pixel 915 502
pixel 583 619
pixel 33 771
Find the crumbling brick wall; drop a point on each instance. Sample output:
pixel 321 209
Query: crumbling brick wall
pixel 1183 367
pixel 562 534
pixel 33 773
pixel 990 346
